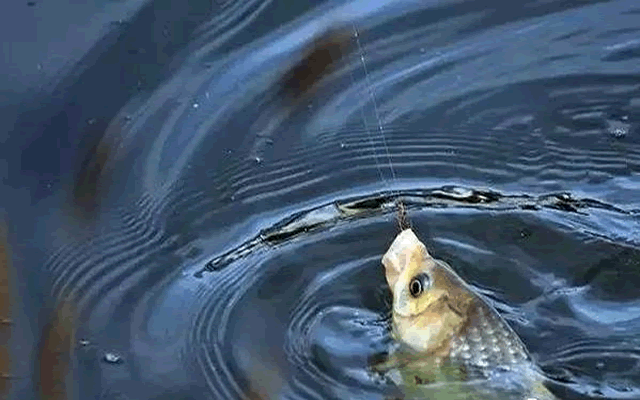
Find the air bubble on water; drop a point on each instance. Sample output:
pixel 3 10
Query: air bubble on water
pixel 112 358
pixel 196 105
pixel 618 129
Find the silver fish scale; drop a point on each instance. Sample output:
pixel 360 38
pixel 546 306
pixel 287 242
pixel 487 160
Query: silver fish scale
pixel 487 344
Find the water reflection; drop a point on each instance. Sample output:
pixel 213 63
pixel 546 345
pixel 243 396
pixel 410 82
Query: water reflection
pixel 6 303
pixel 235 251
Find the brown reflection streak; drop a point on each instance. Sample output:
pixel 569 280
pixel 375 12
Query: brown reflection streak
pixel 316 62
pixel 56 354
pixel 87 185
pixel 93 177
pixel 5 314
pixel 266 379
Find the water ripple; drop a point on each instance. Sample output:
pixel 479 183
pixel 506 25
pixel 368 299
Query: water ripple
pixel 237 252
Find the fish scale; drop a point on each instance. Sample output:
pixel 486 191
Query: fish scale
pixel 488 343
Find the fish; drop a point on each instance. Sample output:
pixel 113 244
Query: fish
pixel 451 343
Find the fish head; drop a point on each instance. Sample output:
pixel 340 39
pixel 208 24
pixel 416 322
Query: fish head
pixel 431 303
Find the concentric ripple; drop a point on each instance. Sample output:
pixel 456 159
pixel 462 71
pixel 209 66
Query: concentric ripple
pixel 290 324
pixel 302 316
pixel 304 319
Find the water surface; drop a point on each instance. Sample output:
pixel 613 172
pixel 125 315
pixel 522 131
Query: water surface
pixel 222 239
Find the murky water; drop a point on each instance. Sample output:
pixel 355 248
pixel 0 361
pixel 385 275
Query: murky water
pixel 231 245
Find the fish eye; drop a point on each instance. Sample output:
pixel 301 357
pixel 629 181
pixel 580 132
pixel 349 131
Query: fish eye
pixel 418 284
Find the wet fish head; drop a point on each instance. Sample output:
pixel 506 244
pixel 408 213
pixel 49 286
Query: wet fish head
pixel 431 303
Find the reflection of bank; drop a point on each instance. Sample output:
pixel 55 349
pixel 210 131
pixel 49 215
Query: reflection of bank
pixel 52 375
pixel 5 315
pixel 55 360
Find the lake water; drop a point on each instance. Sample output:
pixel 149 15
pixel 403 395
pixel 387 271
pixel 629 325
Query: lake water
pixel 221 235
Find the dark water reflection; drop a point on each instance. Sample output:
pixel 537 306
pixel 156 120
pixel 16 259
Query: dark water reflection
pixel 235 239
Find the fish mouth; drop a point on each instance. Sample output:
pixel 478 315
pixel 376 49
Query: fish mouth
pixel 405 247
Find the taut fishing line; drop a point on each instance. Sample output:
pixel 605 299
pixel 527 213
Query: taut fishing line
pixel 401 216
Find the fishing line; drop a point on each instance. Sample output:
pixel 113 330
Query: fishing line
pixel 364 118
pixel 372 95
pixel 401 216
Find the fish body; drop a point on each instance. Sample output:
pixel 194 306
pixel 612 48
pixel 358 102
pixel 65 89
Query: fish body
pixel 453 343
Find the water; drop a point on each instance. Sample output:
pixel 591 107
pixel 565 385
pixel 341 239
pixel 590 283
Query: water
pixel 223 240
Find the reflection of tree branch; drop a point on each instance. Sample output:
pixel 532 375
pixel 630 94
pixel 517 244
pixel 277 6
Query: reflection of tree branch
pixel 266 380
pixel 317 62
pixel 5 313
pixel 56 354
pixel 57 341
pixel 93 178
